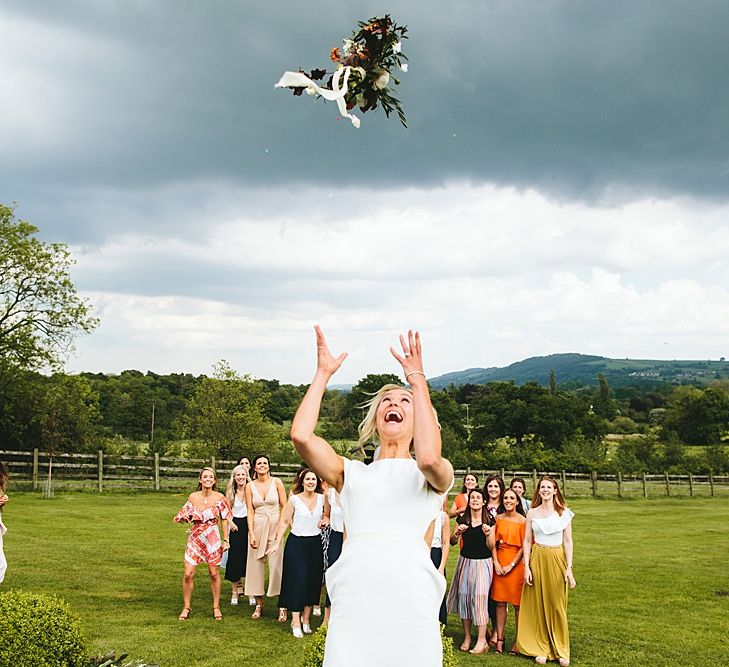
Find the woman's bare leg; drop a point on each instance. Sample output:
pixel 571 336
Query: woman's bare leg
pixel 466 634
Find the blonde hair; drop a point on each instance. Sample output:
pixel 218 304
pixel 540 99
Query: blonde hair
pixel 558 500
pixel 368 426
pixel 232 487
pixel 199 483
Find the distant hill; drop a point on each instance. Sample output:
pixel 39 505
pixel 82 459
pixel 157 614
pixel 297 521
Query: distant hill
pixel 583 369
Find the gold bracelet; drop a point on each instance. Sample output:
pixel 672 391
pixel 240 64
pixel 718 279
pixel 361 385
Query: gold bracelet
pixel 414 373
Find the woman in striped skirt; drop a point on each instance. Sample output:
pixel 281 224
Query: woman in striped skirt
pixel 469 592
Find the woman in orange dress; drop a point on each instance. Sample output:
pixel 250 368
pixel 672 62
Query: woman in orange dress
pixel 470 481
pixel 203 510
pixel 506 542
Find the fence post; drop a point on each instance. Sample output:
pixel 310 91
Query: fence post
pixel 564 483
pixel 668 486
pixel 503 473
pixel 711 483
pixel 691 484
pixel 593 475
pixel 156 471
pixel 645 486
pixel 620 484
pixel 101 471
pixel 35 469
pixel 534 477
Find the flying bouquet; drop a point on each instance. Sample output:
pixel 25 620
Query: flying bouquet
pixel 363 71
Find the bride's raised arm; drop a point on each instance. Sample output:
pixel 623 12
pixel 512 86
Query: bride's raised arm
pixel 316 451
pixel 426 432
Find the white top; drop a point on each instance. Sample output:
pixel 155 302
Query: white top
pixel 336 516
pixel 306 523
pixel 437 542
pixel 548 531
pixel 526 504
pixel 240 509
pixel 372 493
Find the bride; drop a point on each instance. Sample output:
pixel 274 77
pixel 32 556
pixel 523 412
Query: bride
pixel 384 589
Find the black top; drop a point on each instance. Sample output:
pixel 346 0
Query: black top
pixel 474 544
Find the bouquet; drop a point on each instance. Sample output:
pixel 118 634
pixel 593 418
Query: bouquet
pixel 363 71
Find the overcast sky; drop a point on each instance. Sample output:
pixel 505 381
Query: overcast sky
pixel 563 185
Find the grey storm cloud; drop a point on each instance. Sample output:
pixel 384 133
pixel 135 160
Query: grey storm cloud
pixel 582 100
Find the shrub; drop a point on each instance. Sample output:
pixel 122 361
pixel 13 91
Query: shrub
pixel 314 651
pixel 39 630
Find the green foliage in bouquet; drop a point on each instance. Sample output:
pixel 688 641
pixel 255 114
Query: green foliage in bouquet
pixel 39 630
pixel 314 651
pixel 373 52
pixel 111 659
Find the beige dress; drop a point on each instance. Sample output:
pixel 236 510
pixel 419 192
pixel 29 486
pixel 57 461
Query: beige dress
pixel 266 514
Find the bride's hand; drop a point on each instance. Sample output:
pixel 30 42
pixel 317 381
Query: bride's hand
pixel 325 361
pixel 412 361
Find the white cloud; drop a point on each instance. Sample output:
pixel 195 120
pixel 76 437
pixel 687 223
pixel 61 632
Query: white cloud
pixel 490 276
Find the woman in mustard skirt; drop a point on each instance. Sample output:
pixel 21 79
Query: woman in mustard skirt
pixel 543 631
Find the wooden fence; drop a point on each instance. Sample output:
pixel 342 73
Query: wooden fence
pixel 107 472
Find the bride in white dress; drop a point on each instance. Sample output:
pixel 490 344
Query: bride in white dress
pixel 385 591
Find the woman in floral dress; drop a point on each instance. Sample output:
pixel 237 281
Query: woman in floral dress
pixel 203 510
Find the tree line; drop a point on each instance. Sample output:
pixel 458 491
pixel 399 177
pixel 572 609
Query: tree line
pixel 500 424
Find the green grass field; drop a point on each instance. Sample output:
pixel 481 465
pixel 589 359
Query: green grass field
pixel 652 582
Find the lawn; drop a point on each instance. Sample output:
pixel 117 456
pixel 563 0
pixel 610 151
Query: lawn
pixel 652 582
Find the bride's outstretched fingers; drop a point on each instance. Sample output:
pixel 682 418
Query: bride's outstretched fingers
pixel 326 362
pixel 411 359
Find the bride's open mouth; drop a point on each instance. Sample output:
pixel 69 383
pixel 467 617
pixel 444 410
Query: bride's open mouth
pixel 393 416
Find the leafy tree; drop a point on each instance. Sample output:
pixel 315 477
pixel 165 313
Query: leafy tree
pixel 40 311
pixel 699 416
pixel 603 404
pixel 226 414
pixel 552 382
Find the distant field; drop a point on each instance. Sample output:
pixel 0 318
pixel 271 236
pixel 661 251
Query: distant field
pixel 652 582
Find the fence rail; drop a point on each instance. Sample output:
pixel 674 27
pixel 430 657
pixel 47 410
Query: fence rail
pixel 107 472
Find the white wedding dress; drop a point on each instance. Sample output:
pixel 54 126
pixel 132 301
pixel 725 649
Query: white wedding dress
pixel 385 590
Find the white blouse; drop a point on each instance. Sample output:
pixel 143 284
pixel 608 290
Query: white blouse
pixel 336 516
pixel 240 509
pixel 437 542
pixel 548 531
pixel 305 522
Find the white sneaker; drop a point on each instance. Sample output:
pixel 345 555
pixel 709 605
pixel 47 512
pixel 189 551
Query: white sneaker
pixel 306 628
pixel 251 600
pixel 317 610
pixel 297 632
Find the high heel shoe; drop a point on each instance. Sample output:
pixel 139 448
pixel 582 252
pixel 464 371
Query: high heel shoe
pixel 282 615
pixel 234 598
pixel 499 646
pixel 478 651
pixel 216 614
pixel 184 614
pixel 297 632
pixel 257 612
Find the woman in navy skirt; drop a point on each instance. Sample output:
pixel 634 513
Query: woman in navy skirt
pixel 235 568
pixel 333 536
pixel 303 561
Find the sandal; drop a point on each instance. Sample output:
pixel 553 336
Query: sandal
pixel 513 651
pixel 217 615
pixel 499 646
pixel 282 615
pixel 478 651
pixel 257 612
pixel 234 598
pixel 564 662
pixel 184 614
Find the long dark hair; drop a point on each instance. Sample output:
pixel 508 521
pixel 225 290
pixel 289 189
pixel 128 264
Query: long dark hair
pixel 468 474
pixel 465 518
pixel 519 507
pixel 3 477
pixel 299 486
pixel 255 460
pixel 502 486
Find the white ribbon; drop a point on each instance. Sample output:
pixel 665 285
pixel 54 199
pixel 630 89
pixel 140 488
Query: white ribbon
pixel 336 94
